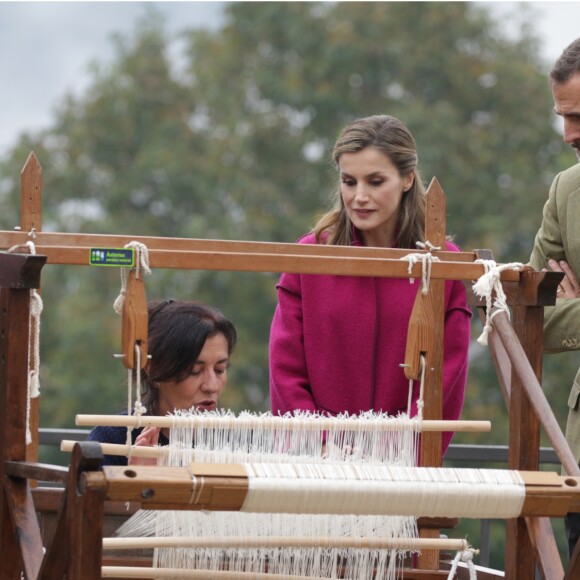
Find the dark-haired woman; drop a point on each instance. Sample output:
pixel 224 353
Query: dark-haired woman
pixel 190 345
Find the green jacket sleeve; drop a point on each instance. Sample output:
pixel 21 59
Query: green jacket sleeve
pixel 557 238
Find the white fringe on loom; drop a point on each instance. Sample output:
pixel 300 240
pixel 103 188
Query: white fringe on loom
pixel 316 562
pixel 244 439
pixel 300 439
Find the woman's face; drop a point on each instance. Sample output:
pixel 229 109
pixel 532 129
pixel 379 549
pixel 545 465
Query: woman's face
pixel 371 190
pixel 202 388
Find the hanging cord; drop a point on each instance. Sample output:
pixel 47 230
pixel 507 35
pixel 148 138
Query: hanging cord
pixel 467 557
pixel 36 307
pixel 420 401
pixel 426 261
pixel 485 287
pixel 138 409
pixel 141 261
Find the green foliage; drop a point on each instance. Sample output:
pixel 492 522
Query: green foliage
pixel 235 144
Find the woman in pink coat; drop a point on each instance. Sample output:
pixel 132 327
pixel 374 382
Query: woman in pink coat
pixel 337 342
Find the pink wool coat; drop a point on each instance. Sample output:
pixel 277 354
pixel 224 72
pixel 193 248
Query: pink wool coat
pixel 337 342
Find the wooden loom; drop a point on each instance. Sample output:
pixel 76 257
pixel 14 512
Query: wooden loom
pixel 75 549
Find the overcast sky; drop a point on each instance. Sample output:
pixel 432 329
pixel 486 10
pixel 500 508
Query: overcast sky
pixel 45 47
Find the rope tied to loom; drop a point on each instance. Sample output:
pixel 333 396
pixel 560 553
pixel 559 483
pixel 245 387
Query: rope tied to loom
pixel 426 261
pixel 141 262
pixel 465 556
pixel 36 307
pixel 138 409
pixel 420 400
pixel 489 284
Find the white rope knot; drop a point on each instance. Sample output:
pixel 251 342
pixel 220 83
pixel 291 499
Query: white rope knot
pixel 139 409
pixel 465 556
pixel 141 261
pixel 420 400
pixel 489 284
pixel 426 261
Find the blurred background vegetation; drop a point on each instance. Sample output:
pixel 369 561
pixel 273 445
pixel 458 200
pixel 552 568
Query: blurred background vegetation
pixel 234 142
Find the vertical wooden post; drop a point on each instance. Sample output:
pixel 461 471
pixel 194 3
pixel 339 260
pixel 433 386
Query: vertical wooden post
pixel 524 435
pixel 18 274
pixel 435 227
pixel 135 322
pixel 425 337
pixel 31 220
pixel 84 515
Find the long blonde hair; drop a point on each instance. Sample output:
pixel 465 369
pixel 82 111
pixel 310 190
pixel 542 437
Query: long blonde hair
pixel 393 139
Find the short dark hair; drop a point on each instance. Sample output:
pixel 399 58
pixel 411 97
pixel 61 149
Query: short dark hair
pixel 567 65
pixel 177 332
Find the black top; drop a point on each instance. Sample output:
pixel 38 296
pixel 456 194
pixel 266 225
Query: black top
pixel 118 435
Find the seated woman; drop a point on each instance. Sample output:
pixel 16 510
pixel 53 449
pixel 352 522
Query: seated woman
pixel 190 345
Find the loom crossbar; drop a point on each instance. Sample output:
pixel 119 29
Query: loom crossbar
pixel 224 487
pixel 276 422
pixel 270 258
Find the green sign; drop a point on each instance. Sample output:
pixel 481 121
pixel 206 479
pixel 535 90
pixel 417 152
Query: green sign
pixel 112 257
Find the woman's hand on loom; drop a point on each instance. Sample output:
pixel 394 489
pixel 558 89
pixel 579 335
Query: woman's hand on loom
pixel 149 437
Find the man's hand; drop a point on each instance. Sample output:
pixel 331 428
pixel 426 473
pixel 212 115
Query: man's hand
pixel 569 286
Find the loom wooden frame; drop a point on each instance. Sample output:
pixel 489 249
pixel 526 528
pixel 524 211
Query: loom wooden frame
pixel 73 551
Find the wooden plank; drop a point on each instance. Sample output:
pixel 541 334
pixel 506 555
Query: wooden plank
pixel 14 309
pixel 31 195
pixel 41 471
pixel 135 322
pixel 20 271
pixel 324 260
pixel 536 395
pixel 25 525
pixel 297 263
pixel 155 243
pixel 547 555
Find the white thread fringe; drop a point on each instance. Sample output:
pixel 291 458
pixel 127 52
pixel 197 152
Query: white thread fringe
pixel 485 287
pixel 248 437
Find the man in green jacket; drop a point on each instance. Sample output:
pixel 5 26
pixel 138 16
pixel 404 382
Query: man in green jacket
pixel 557 246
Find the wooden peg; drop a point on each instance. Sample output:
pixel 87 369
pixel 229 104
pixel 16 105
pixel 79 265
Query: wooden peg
pixel 419 335
pixel 135 322
pixel 423 331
